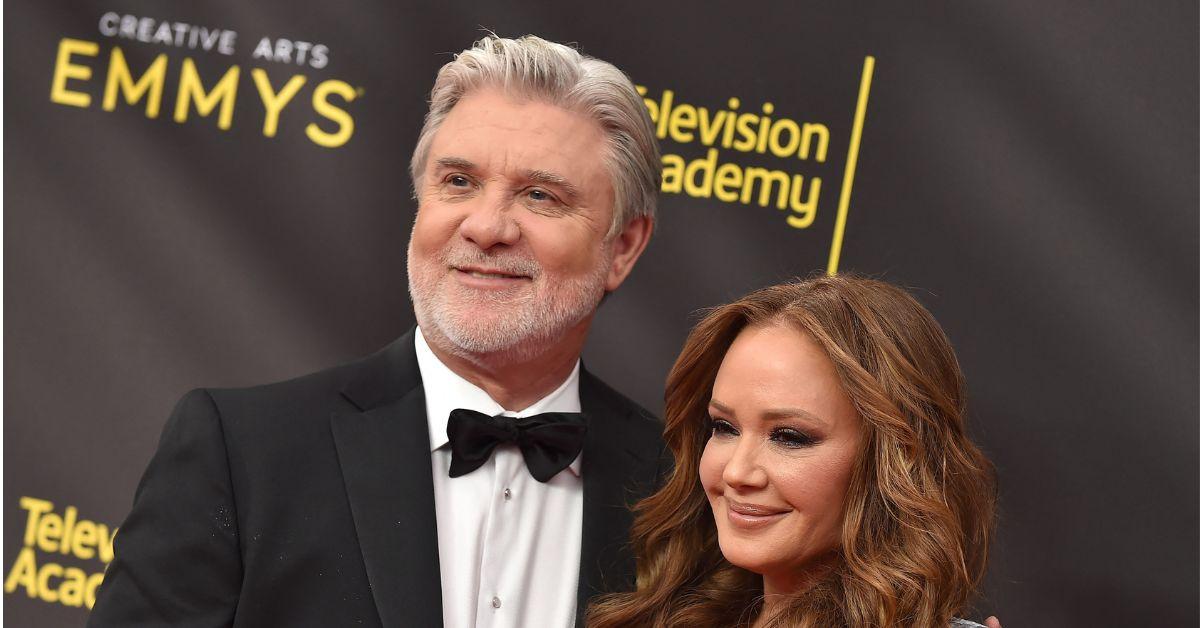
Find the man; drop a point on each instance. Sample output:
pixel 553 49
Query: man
pixel 386 491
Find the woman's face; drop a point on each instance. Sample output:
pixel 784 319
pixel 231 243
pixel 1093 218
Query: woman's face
pixel 778 462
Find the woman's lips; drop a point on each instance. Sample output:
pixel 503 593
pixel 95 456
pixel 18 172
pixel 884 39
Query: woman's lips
pixel 750 516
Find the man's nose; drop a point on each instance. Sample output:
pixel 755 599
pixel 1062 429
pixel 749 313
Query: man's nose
pixel 744 468
pixel 490 222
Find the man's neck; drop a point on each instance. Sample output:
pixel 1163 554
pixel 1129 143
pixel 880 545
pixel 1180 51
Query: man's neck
pixel 518 383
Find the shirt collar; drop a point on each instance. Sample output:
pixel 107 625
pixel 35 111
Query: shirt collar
pixel 445 390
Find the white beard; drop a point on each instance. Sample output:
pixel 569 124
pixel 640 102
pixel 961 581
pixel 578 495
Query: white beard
pixel 515 325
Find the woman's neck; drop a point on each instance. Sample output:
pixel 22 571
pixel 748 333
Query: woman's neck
pixel 781 587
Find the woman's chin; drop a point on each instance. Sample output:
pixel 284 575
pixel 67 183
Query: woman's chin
pixel 772 564
pixel 746 554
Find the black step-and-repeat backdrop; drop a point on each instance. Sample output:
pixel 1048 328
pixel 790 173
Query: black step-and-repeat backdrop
pixel 217 196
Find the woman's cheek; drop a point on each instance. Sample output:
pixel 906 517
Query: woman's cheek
pixel 711 466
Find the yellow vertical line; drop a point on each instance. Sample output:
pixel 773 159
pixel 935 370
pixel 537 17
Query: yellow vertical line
pixel 860 115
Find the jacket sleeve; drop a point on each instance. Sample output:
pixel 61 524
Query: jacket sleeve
pixel 177 560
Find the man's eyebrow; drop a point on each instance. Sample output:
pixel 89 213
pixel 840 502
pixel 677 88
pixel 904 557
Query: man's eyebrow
pixel 546 177
pixel 774 414
pixel 456 163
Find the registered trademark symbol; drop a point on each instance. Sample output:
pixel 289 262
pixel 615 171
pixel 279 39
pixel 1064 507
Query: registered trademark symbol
pixel 360 91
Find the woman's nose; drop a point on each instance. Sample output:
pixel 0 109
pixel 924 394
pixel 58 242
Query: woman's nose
pixel 743 469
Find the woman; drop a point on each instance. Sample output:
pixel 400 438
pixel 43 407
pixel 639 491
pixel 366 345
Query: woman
pixel 823 475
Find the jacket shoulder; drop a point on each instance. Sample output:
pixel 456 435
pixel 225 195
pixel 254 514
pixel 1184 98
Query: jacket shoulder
pixel 361 383
pixel 594 388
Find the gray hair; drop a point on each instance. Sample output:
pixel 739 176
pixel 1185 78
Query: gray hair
pixel 535 68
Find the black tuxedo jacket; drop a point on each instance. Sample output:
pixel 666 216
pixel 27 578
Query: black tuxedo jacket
pixel 310 503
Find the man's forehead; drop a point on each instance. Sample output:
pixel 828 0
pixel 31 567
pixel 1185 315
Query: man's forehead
pixel 489 130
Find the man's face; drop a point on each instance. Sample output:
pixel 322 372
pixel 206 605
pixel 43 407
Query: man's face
pixel 508 252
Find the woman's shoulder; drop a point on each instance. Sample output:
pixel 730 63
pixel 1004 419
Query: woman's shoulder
pixel 964 623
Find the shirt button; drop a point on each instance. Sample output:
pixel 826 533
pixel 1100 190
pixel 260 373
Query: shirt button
pixel 507 495
pixel 495 602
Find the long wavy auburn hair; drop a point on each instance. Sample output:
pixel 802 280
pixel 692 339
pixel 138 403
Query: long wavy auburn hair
pixel 919 510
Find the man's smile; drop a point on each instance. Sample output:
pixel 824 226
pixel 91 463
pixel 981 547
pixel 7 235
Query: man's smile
pixel 484 278
pixel 489 273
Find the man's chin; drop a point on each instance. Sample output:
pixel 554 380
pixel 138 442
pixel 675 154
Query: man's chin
pixel 481 333
pixel 499 327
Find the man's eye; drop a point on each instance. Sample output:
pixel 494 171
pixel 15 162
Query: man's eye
pixel 721 427
pixel 792 438
pixel 540 195
pixel 458 181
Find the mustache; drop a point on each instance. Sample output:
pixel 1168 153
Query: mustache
pixel 506 263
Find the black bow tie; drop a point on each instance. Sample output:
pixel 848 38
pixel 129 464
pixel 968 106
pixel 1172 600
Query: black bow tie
pixel 549 441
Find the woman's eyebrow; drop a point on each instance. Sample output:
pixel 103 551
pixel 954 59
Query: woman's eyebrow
pixel 774 414
pixel 724 409
pixel 782 414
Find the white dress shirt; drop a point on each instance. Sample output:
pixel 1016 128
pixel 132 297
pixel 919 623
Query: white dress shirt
pixel 508 544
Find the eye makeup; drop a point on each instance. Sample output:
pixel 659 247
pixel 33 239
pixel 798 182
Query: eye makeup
pixel 785 436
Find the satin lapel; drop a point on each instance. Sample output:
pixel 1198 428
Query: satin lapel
pixel 611 468
pixel 386 465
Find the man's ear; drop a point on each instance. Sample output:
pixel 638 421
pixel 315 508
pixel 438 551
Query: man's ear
pixel 627 248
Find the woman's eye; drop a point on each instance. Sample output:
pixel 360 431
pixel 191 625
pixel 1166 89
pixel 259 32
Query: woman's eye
pixel 792 438
pixel 721 427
